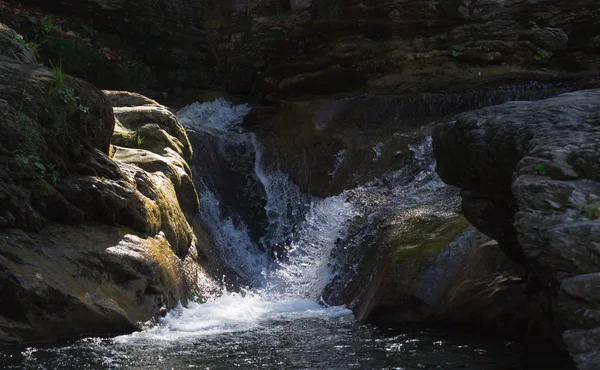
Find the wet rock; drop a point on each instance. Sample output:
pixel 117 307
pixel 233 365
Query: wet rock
pixel 552 39
pixel 300 5
pixel 328 145
pixel 533 165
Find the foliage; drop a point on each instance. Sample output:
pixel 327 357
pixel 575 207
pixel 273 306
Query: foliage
pixel 540 169
pixel 33 161
pixel 457 50
pixel 592 210
pixel 44 25
pixel 140 140
pixel 31 46
pixel 541 54
pixel 66 93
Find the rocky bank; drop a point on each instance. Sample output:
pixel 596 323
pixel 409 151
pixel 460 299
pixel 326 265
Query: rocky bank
pixel 528 174
pixel 94 237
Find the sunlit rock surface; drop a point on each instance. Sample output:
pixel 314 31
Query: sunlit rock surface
pixel 94 238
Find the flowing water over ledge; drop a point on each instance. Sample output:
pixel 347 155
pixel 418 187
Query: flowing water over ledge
pixel 282 319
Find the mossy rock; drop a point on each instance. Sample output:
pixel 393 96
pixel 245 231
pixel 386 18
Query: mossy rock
pixel 13 46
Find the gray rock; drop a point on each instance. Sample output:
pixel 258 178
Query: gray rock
pixel 529 173
pixel 553 39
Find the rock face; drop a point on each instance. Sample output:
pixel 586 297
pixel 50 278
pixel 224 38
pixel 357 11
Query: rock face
pixel 134 44
pixel 529 176
pixel 328 145
pixel 94 238
pixel 290 49
pixel 287 49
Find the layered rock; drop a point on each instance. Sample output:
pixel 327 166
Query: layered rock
pixel 529 177
pixel 283 49
pixel 94 238
pixel 328 145
pixel 290 49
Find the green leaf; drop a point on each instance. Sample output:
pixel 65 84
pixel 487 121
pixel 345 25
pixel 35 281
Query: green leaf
pixel 32 20
pixel 540 169
pixel 45 25
pixel 40 166
pixel 459 47
pixel 456 53
pixel 537 57
pixel 55 176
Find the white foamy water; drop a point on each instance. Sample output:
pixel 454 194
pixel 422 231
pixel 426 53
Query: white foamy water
pixel 232 312
pixel 218 114
pixel 306 270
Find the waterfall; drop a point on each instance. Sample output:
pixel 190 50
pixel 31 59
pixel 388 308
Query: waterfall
pixel 287 268
pixel 297 256
pixel 297 260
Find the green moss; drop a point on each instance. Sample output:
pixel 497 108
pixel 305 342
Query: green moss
pixel 30 134
pixel 425 241
pixel 126 139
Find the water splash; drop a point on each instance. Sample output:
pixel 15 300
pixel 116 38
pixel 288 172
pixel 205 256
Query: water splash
pixel 233 239
pixel 232 312
pixel 218 114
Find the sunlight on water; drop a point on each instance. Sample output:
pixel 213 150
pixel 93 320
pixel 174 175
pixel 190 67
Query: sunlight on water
pixel 229 313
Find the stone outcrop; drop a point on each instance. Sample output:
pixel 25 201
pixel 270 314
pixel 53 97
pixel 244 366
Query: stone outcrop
pixel 328 145
pixel 290 49
pixel 529 176
pixel 424 264
pixel 95 238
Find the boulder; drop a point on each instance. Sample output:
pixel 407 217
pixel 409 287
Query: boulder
pixel 95 239
pixel 529 177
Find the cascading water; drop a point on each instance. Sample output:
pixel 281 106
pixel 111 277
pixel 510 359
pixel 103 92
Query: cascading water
pixel 281 242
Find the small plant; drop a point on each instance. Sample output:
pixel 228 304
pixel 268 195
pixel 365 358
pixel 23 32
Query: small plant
pixel 541 54
pixel 33 161
pixel 540 169
pixel 64 91
pixel 43 24
pixel 140 140
pixel 54 175
pixel 31 46
pixel 457 50
pixel 592 210
pixel 83 108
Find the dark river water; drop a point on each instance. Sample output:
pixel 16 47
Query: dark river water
pixel 254 333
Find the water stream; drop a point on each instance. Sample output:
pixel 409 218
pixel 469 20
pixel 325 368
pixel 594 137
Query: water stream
pixel 282 319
